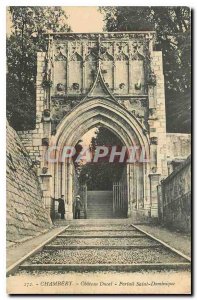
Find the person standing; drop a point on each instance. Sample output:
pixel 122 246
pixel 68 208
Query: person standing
pixel 78 207
pixel 61 207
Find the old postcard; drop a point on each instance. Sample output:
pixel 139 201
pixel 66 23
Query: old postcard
pixel 98 150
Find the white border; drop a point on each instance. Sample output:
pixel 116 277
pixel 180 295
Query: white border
pixel 3 4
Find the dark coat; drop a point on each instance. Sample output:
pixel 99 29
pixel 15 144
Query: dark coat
pixel 78 204
pixel 61 206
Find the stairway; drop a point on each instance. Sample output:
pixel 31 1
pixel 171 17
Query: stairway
pixel 99 204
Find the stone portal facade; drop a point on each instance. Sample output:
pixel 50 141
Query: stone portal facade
pixel 109 79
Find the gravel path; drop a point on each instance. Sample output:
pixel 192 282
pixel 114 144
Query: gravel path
pixel 92 256
pixel 102 227
pixel 103 241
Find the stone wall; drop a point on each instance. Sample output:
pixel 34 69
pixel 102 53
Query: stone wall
pixel 26 215
pixel 178 149
pixel 157 120
pixel 175 198
pixel 178 145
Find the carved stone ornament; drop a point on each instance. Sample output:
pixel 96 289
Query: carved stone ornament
pixel 47 83
pixel 122 86
pixel 60 87
pixel 44 170
pixel 104 36
pixel 143 102
pixel 151 79
pixel 153 114
pixel 60 57
pixel 76 57
pixel 36 163
pixel 46 113
pixel 45 142
pixel 104 71
pixel 106 56
pixel 75 86
pixel 137 56
pixel 138 86
pixel 154 169
pixel 152 111
pixel 154 140
pixel 53 132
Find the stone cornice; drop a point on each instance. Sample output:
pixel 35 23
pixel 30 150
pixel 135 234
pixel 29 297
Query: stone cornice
pixel 81 96
pixel 102 35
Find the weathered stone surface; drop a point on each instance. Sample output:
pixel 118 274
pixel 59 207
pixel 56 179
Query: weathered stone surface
pixel 26 215
pixel 175 198
pixel 178 145
pixel 94 79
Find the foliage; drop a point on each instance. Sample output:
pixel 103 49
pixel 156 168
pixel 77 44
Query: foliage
pixel 172 25
pixel 101 175
pixel 26 39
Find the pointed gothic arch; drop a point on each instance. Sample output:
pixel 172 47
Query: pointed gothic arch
pixel 86 115
pixel 99 87
pixel 137 56
pixel 101 107
pixel 76 57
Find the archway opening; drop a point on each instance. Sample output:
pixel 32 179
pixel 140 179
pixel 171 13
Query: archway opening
pixel 109 114
pixel 101 174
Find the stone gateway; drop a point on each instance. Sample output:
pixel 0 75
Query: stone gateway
pixel 114 80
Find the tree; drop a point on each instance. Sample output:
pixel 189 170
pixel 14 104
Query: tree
pixel 173 37
pixel 101 175
pixel 26 39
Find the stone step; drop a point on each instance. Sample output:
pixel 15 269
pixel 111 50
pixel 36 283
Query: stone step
pixel 100 199
pixel 99 217
pixel 106 256
pixel 105 267
pixel 106 199
pixel 99 206
pixel 100 203
pixel 99 209
pixel 87 236
pixel 104 241
pixel 93 215
pixel 101 247
pixel 100 214
pixel 94 212
pixel 109 233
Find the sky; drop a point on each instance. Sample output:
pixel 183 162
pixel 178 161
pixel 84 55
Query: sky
pixel 87 137
pixel 84 18
pixel 80 18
